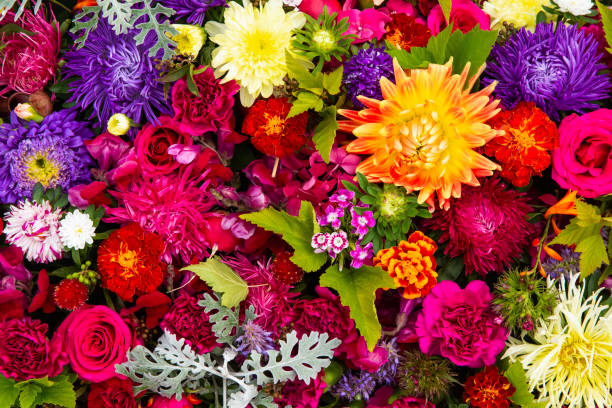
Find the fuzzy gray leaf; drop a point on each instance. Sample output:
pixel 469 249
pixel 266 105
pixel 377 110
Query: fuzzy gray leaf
pixel 160 30
pixel 242 398
pixel 225 321
pixel 118 13
pixel 86 20
pixel 314 352
pixel 264 400
pixel 6 5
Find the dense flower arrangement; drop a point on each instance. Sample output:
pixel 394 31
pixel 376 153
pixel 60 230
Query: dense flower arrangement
pixel 305 203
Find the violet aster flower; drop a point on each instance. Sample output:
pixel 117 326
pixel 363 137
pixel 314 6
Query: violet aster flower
pixel 363 71
pixel 114 75
pixel 355 386
pixel 193 10
pixel 254 338
pixel 51 153
pixel 557 68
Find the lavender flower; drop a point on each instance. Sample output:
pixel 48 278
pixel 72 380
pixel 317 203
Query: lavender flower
pixel 360 254
pixel 355 386
pixel 558 68
pixel 193 10
pixel 51 153
pixel 362 222
pixel 254 338
pixel 114 75
pixel 568 267
pixel 344 198
pixel 363 71
pixel 386 374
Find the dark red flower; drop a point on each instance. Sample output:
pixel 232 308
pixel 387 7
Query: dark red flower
pixel 112 393
pixel 488 389
pixel 271 132
pixel 70 294
pixel 405 32
pixel 42 297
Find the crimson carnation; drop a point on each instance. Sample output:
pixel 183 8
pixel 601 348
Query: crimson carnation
pixel 112 393
pixel 405 32
pixel 129 261
pixel 187 319
pixel 70 294
pixel 488 389
pixel 487 225
pixel 271 132
pixel 26 352
pixel 524 149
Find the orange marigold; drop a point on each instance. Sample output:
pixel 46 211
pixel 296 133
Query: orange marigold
pixel 411 265
pixel 129 261
pixel 488 389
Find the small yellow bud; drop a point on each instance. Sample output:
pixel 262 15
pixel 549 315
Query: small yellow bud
pixel 189 40
pixel 25 111
pixel 118 124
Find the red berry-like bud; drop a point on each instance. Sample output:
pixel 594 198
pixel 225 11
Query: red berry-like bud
pixel 70 294
pixel 285 270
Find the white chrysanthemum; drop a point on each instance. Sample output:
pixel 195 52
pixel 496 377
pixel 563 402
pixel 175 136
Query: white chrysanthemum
pixel 252 45
pixel 575 7
pixel 76 230
pixel 34 228
pixel 571 362
pixel 521 13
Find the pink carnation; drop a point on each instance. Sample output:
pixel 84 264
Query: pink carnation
pixel 297 394
pixel 460 325
pixel 364 24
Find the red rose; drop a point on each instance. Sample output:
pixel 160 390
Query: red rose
pixel 112 393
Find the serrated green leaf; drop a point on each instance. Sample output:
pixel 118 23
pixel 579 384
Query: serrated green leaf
pixel 587 214
pixel 162 31
pixel 446 6
pixel 118 13
pixel 325 133
pixel 8 391
pixel 28 394
pixel 606 20
pixel 296 231
pixel 60 392
pixel 296 67
pixel 90 24
pixel 333 81
pixel 305 100
pixel 221 278
pixel 473 47
pixel 522 397
pixel 357 290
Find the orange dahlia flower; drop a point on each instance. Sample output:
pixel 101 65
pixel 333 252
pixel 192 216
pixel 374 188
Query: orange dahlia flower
pixel 411 265
pixel 421 136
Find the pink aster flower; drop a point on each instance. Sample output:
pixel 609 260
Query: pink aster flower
pixel 29 61
pixel 338 242
pixel 34 228
pixel 459 324
pixel 362 222
pixel 487 225
pixel 361 255
pixel 364 24
pixel 172 206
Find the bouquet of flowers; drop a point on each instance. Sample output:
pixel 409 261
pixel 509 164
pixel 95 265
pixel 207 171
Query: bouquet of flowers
pixel 305 203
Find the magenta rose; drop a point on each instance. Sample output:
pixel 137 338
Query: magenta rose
pixel 583 162
pixel 163 402
pixel 112 393
pixel 460 325
pixel 94 339
pixel 26 352
pixel 152 143
pixel 464 15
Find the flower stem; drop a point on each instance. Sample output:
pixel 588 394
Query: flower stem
pixel 540 246
pixel 61 5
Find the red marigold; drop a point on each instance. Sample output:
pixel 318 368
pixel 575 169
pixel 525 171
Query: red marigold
pixel 523 150
pixel 405 32
pixel 411 265
pixel 488 389
pixel 129 261
pixel 271 132
pixel 70 294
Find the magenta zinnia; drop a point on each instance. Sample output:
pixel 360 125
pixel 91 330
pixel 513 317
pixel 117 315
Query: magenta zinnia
pixel 487 225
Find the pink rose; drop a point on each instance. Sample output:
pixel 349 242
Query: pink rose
pixel 315 7
pixel 112 393
pixel 583 162
pixel 464 15
pixel 94 339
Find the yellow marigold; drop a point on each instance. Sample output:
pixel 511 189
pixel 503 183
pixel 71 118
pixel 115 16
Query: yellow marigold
pixel 422 134
pixel 520 13
pixel 411 265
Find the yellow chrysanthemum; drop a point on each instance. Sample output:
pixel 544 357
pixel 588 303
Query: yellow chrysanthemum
pixel 571 362
pixel 252 45
pixel 189 40
pixel 521 13
pixel 422 134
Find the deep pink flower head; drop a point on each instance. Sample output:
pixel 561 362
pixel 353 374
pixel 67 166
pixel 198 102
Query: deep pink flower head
pixel 12 301
pixel 11 264
pixel 464 16
pixel 112 393
pixel 459 324
pixel 107 149
pixel 297 394
pixel 187 319
pixel 596 30
pixel 29 62
pixel 315 7
pixel 365 24
pixel 488 225
pixel 381 398
pixel 163 402
pixel 26 352
pixel 583 162
pixel 400 6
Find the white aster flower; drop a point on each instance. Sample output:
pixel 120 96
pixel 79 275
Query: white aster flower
pixel 34 228
pixel 571 361
pixel 77 230
pixel 575 7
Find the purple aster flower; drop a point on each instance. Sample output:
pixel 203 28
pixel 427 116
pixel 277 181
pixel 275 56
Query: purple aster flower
pixel 362 222
pixel 355 386
pixel 360 254
pixel 51 153
pixel 363 71
pixel 333 216
pixel 193 10
pixel 386 374
pixel 254 338
pixel 344 198
pixel 114 75
pixel 557 68
pixel 320 242
pixel 337 243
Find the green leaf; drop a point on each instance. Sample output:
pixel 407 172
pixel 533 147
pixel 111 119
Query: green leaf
pixel 587 214
pixel 516 375
pixel 325 133
pixel 175 75
pixel 12 28
pixel 446 6
pixel 28 394
pixel 296 67
pixel 61 393
pixel 221 278
pixel 65 271
pixel 305 100
pixel 606 19
pixel 473 47
pixel 296 231
pixel 76 257
pixel 357 290
pixel 118 13
pixel 333 81
pixel 191 85
pixel 8 391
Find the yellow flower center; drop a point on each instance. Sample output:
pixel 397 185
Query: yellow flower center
pixel 574 356
pixel 274 124
pixel 189 39
pixel 521 139
pixel 41 169
pixel 128 260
